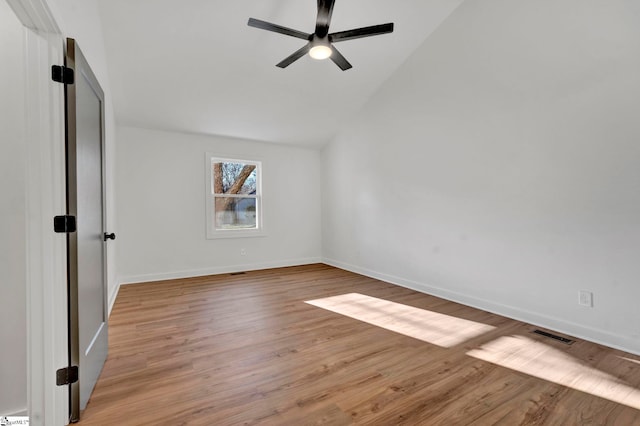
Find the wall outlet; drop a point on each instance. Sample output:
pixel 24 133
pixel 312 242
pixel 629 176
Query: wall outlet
pixel 585 298
pixel 243 252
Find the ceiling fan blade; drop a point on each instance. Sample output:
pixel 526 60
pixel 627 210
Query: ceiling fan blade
pixel 264 25
pixel 294 56
pixel 325 9
pixel 361 32
pixel 339 60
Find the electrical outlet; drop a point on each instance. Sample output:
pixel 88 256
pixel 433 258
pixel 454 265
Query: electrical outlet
pixel 585 298
pixel 243 252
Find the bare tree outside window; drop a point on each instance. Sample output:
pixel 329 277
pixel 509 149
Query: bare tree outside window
pixel 235 193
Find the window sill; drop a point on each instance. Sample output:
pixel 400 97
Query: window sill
pixel 215 235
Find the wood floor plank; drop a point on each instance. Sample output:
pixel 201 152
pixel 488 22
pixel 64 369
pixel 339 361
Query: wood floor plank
pixel 248 350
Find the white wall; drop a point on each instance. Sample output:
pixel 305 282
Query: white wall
pixel 500 167
pixel 161 206
pixel 13 318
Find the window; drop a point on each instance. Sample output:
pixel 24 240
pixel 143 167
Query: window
pixel 233 197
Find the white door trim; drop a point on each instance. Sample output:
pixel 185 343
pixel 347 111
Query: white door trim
pixel 36 15
pixel 45 198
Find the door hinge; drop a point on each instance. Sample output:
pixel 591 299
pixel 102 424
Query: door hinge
pixel 67 375
pixel 62 74
pixel 64 224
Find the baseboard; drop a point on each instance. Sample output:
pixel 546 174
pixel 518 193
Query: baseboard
pixel 133 279
pixel 616 341
pixel 23 413
pixel 112 297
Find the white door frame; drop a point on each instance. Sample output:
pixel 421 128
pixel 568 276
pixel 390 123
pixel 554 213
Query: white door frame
pixel 46 309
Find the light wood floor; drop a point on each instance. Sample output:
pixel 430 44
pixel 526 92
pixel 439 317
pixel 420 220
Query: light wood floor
pixel 246 349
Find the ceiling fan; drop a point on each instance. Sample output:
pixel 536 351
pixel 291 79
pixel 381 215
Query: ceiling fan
pixel 320 43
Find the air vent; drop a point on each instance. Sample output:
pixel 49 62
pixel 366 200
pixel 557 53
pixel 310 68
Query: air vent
pixel 554 337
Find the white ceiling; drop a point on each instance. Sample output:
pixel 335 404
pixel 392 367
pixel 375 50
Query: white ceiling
pixel 195 66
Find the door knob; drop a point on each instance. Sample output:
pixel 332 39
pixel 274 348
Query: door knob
pixel 110 236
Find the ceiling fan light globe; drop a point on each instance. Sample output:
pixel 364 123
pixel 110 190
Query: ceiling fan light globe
pixel 320 52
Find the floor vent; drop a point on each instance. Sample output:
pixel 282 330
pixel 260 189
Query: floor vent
pixel 237 273
pixel 554 336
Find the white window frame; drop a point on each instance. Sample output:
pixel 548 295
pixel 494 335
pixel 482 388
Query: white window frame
pixel 212 232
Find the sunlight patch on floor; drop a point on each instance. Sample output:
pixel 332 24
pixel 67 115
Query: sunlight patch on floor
pixel 544 362
pixel 432 327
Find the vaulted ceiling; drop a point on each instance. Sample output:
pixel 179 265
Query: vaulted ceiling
pixel 195 66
